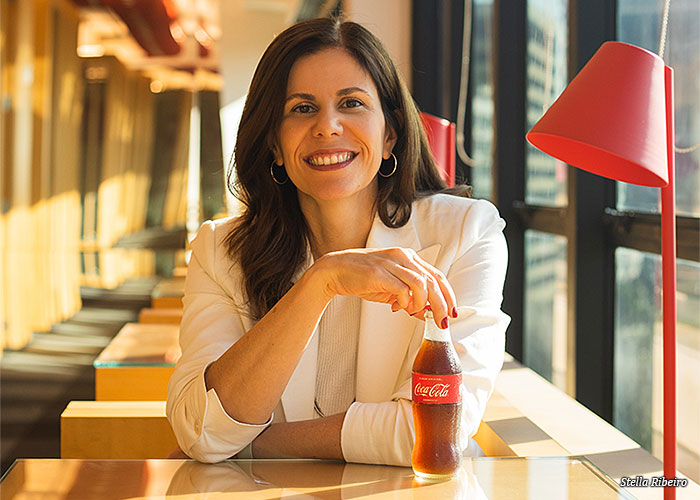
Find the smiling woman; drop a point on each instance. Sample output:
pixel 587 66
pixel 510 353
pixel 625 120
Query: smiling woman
pixel 293 337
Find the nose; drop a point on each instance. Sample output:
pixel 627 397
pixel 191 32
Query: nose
pixel 327 124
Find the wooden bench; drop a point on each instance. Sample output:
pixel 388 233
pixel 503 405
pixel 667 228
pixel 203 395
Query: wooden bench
pixel 137 363
pixel 116 429
pixel 180 272
pixel 161 315
pixel 168 293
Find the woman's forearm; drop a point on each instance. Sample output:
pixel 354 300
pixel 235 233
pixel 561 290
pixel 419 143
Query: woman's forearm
pixel 251 375
pixel 318 438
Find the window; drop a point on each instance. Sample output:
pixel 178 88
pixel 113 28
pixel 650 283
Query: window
pixel 482 98
pixel 545 306
pixel 638 389
pixel 545 181
pixel 639 23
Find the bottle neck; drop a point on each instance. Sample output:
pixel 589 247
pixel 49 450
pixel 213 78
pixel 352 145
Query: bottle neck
pixel 432 332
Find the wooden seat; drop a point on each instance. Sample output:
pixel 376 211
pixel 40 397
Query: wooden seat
pixel 172 315
pixel 138 363
pixel 116 430
pixel 168 293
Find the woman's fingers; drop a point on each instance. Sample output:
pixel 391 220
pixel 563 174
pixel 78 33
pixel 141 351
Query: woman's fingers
pixel 425 290
pixel 396 276
pixel 417 284
pixel 440 295
pixel 444 286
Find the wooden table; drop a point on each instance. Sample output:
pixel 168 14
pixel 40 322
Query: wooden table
pixel 138 363
pixel 168 293
pixel 479 479
pixel 171 315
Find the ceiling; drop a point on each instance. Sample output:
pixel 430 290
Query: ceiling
pixel 174 41
pixel 176 34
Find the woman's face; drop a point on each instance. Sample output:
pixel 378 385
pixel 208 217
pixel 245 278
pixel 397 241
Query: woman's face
pixel 333 135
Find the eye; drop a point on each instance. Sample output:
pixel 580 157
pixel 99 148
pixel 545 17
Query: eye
pixel 352 102
pixel 303 108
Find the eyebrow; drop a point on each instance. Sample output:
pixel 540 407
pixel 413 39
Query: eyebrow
pixel 311 97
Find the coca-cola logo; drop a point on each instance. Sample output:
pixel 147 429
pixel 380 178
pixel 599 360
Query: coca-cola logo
pixel 434 391
pixel 437 389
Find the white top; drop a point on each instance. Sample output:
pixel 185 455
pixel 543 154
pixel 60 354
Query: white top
pixel 461 237
pixel 337 355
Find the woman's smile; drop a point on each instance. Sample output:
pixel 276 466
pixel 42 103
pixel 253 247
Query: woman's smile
pixel 331 160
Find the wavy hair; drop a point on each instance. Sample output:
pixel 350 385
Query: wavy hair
pixel 269 239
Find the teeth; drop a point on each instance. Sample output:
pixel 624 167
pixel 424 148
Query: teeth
pixel 330 159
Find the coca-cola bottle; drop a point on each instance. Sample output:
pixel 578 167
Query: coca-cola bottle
pixel 437 404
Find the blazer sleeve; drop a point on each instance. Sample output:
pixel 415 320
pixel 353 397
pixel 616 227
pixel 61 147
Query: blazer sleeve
pixel 383 432
pixel 477 277
pixel 211 323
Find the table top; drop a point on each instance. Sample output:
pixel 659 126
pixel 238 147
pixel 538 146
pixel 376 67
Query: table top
pixel 479 479
pixel 142 344
pixel 170 287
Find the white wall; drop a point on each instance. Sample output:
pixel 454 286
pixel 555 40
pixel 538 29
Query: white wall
pixel 247 28
pixel 390 21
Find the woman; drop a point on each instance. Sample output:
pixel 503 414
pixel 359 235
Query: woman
pixel 303 315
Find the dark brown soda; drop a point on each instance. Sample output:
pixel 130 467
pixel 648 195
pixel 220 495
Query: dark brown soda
pixel 436 358
pixel 436 451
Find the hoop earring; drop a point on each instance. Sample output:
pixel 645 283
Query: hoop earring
pixel 392 171
pixel 272 173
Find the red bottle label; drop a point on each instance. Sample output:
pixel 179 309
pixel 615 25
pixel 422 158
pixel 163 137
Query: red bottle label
pixel 437 389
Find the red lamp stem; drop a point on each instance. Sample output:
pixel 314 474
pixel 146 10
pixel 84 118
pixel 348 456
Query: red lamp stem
pixel 668 258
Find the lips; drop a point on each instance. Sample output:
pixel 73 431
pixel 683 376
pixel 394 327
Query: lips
pixel 330 160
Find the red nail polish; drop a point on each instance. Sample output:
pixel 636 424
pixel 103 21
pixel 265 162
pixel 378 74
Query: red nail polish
pixel 444 324
pixel 454 312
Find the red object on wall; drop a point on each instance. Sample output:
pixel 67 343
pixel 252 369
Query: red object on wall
pixel 441 136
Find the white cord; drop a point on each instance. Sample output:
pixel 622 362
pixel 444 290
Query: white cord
pixel 664 29
pixel 464 85
pixel 662 48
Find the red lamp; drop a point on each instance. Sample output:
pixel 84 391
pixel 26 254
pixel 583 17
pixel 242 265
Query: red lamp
pixel 615 119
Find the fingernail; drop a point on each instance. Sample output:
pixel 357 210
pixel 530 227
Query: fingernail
pixel 444 324
pixel 454 312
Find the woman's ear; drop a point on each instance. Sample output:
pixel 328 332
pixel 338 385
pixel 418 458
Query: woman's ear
pixel 279 160
pixel 389 141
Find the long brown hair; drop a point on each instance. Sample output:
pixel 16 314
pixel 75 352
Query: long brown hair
pixel 269 239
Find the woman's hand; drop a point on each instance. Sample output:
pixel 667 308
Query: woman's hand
pixel 396 276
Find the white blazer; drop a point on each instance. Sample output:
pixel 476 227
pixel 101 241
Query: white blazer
pixel 461 237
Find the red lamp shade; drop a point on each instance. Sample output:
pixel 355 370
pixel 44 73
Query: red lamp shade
pixel 611 119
